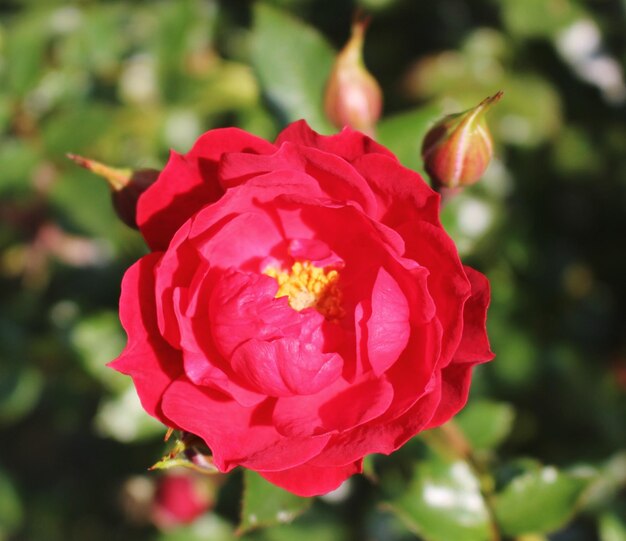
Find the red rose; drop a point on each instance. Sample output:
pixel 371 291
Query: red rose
pixel 302 306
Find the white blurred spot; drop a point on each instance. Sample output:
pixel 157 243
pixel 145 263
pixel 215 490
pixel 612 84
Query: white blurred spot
pixel 138 82
pixel 66 19
pixel 464 496
pixel 340 494
pixel 284 516
pixel 580 45
pixel 123 418
pixel 182 128
pixel 474 217
pixel 549 474
pixel 515 128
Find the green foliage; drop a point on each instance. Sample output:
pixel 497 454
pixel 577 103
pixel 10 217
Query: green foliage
pixel 538 501
pixel 444 502
pixel 264 504
pixel 486 424
pixel 292 61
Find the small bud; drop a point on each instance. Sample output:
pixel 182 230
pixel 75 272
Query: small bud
pixel 353 97
pixel 458 148
pixel 180 498
pixel 126 185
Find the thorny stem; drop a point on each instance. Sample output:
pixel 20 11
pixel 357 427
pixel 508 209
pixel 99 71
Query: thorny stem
pixel 457 442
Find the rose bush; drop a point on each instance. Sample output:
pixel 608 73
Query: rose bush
pixel 302 306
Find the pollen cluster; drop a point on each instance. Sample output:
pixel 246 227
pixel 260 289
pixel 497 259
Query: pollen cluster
pixel 309 286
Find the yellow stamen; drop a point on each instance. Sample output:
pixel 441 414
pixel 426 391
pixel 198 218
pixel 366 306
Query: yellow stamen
pixel 309 286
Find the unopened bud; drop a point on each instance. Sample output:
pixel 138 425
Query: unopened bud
pixel 458 148
pixel 180 498
pixel 126 185
pixel 353 97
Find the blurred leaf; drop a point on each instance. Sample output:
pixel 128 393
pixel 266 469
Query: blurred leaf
pixel 26 43
pixel 11 513
pixel 208 527
pixel 538 18
pixel 612 528
pixel 538 501
pixel 76 129
pixel 83 200
pixel 18 162
pixel 486 424
pixel 20 388
pixel 98 339
pixel 265 504
pixel 293 62
pixel 444 503
pixel 123 419
pixel 403 134
pixel 316 528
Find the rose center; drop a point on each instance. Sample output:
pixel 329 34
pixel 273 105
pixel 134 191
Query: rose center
pixel 309 286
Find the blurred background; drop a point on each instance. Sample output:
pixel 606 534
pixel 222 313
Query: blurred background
pixel 123 82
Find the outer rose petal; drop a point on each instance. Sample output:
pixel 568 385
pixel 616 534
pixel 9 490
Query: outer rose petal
pixel 474 346
pixel 407 198
pixel 308 480
pixel 349 144
pixel 147 358
pixel 340 406
pixel 190 182
pixel 455 385
pixel 385 435
pixel 236 435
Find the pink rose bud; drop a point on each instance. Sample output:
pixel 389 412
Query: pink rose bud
pixel 353 97
pixel 458 148
pixel 126 185
pixel 180 498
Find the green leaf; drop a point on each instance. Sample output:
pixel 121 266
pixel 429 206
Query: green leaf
pixel 123 418
pixel 538 501
pixel 612 528
pixel 292 61
pixel 403 134
pixel 486 424
pixel 209 526
pixel 11 513
pixel 444 502
pixel 99 339
pixel 265 504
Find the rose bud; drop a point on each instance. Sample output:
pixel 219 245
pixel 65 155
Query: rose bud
pixel 126 185
pixel 180 498
pixel 353 97
pixel 458 148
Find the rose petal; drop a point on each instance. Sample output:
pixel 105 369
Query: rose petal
pixel 147 358
pixel 448 284
pixel 337 407
pixel 402 194
pixel 235 434
pixel 190 182
pixel 286 366
pixel 385 435
pixel 308 480
pixel 388 327
pixel 474 345
pixel 455 385
pixel 349 144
